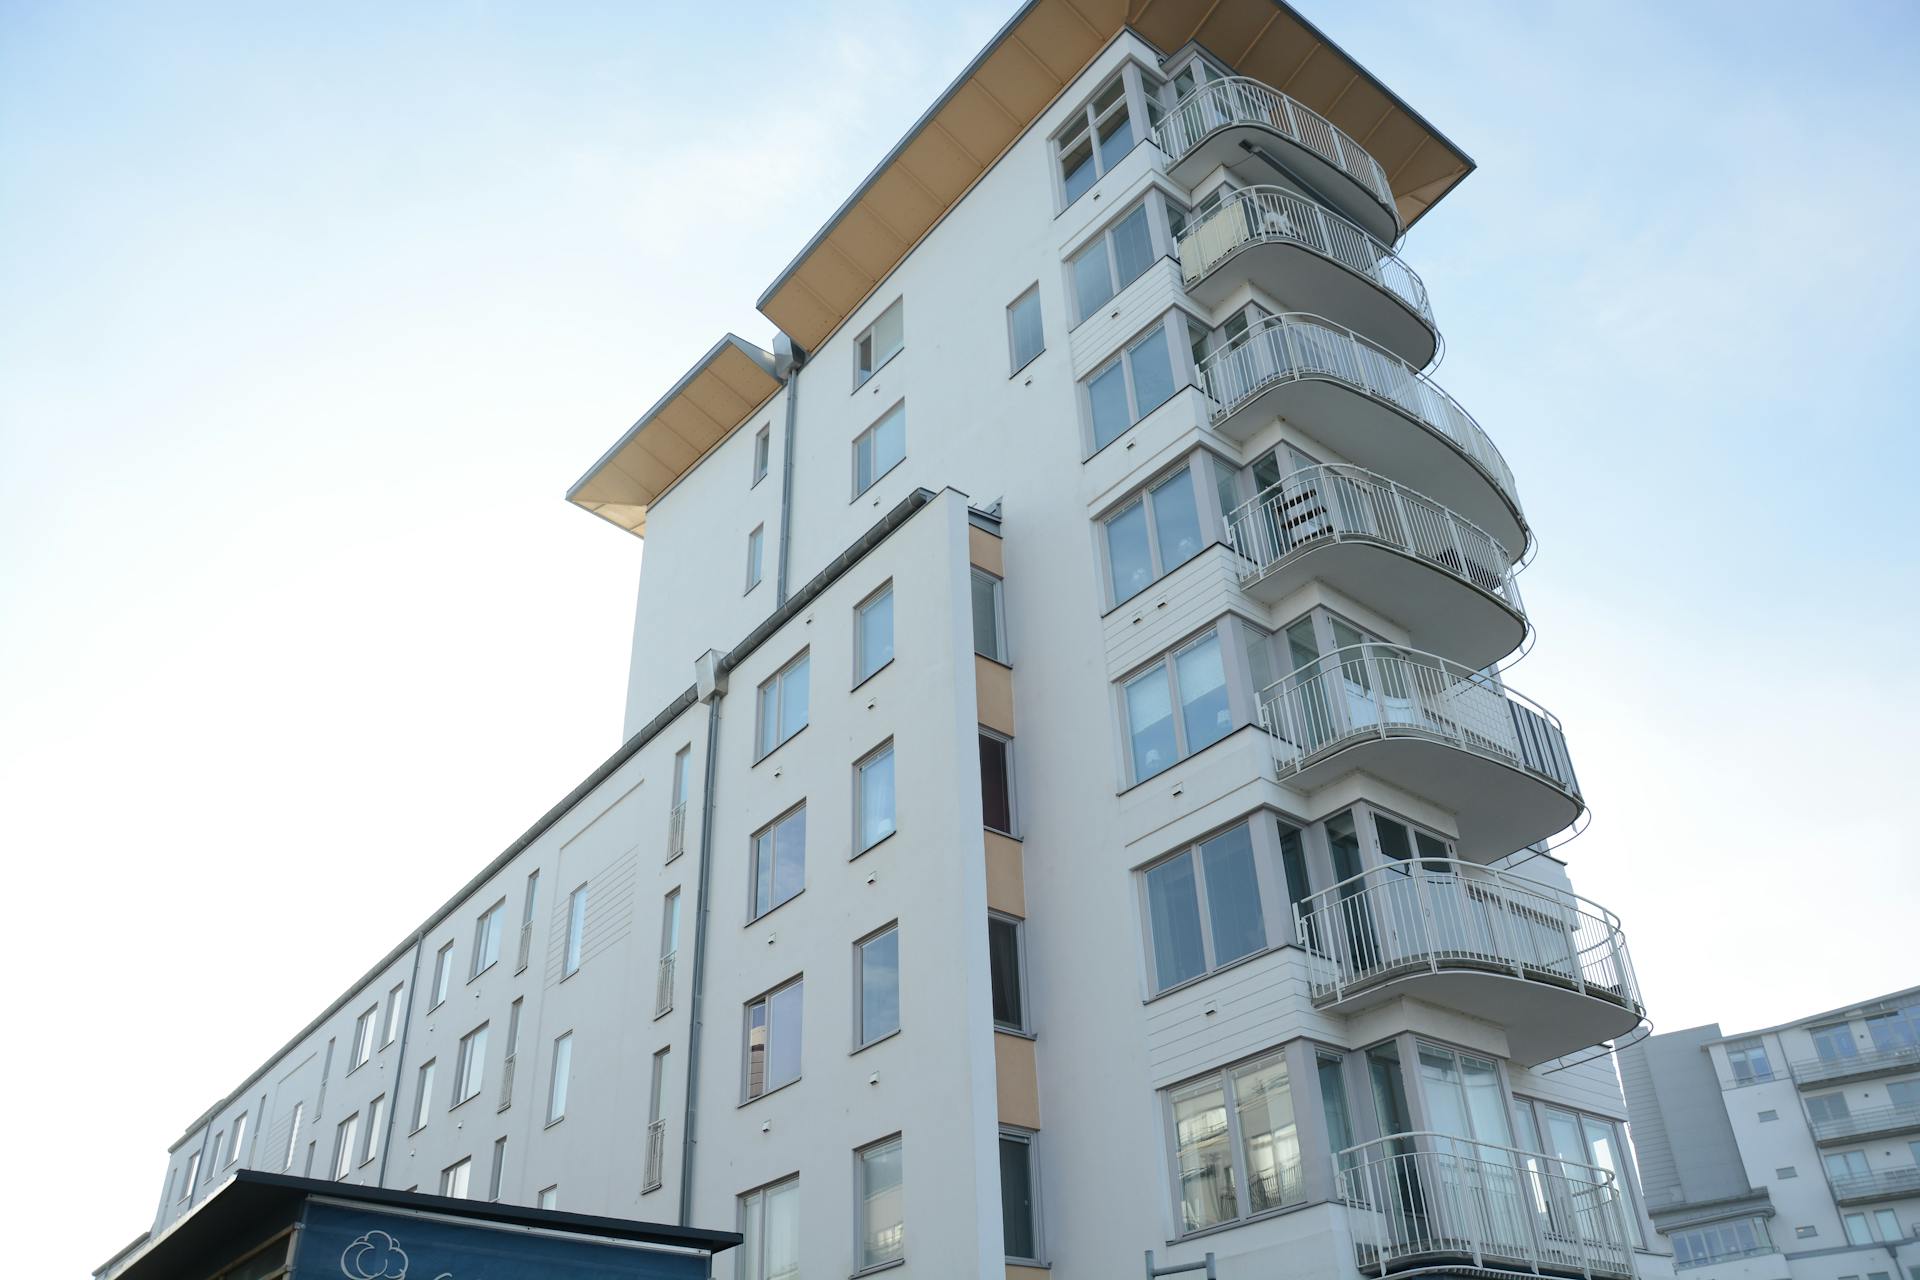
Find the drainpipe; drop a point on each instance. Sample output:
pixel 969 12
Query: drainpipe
pixel 399 1063
pixel 711 683
pixel 787 359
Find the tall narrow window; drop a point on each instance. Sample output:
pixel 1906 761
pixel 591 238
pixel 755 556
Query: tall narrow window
pixel 873 798
pixel 293 1136
pixel 1026 338
pixel 1203 908
pixel 989 626
pixel 471 1070
pixel 779 861
pixel 364 1028
pixel 237 1138
pixel 773 1039
pixel 880 1228
pixel 756 544
pixel 423 1095
pixel 762 446
pixel 652 1176
pixel 486 937
pixel 376 1122
pixel 1192 679
pixel 511 1061
pixel 873 633
pixel 996 782
pixel 877 970
pixel 770 1232
pixel 677 814
pixel 1007 970
pixel 1019 1205
pixel 193 1175
pixel 576 932
pixel 1130 386
pixel 878 343
pixel 561 1079
pixel 343 1135
pixel 880 448
pixel 495 1178
pixel 442 974
pixel 669 954
pixel 394 1008
pixel 454 1179
pixel 1333 1105
pixel 1152 535
pixel 783 704
pixel 526 919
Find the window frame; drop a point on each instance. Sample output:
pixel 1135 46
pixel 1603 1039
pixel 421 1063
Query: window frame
pixel 762 454
pixel 573 947
pixel 293 1134
pixel 236 1136
pixel 376 1113
pixel 861 1038
pixel 1236 1141
pixel 442 975
pixel 457 1179
pixel 756 556
pixel 861 1155
pixel 346 1135
pixel 496 916
pixel 1022 990
pixel 869 438
pixel 1030 1140
pixel 395 1013
pixel 1167 663
pixel 1105 242
pixel 876 360
pixel 422 1095
pixel 862 672
pixel 860 767
pixel 1261 857
pixel 1207 531
pixel 1084 122
pixel 559 1077
pixel 753 1201
pixel 999 593
pixel 1012 829
pixel 365 1027
pixel 1014 362
pixel 770 834
pixel 470 1067
pixel 766 998
pixel 777 685
pixel 1178 376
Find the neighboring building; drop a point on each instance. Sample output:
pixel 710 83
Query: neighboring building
pixel 1069 808
pixel 1790 1153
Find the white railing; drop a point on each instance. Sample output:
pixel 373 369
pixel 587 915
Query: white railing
pixel 677 831
pixel 1241 100
pixel 1415 1196
pixel 1253 215
pixel 526 946
pixel 1441 913
pixel 656 1154
pixel 663 987
pixel 1319 505
pixel 506 1083
pixel 1295 346
pixel 1370 691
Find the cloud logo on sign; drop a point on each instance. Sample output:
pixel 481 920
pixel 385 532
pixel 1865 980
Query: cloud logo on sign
pixel 374 1256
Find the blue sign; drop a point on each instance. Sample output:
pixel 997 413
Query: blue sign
pixel 340 1242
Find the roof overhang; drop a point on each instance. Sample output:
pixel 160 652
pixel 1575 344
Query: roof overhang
pixel 723 389
pixel 1024 68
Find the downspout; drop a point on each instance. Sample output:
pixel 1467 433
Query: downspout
pixel 711 682
pixel 788 357
pixel 399 1063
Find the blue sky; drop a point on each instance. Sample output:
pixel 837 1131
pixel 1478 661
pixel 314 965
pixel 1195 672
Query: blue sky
pixel 311 316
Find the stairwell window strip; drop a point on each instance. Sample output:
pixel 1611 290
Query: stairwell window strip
pixel 1026 335
pixel 1152 534
pixel 880 1232
pixel 873 798
pixel 575 943
pixel 779 861
pixel 771 1058
pixel 873 634
pixel 770 1232
pixel 1135 382
pixel 1235 1146
pixel 782 705
pixel 877 986
pixel 879 342
pixel 880 448
pixel 1203 908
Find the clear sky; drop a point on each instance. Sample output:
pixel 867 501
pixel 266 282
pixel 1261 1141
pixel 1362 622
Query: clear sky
pixel 309 316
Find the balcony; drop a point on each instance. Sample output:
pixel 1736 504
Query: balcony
pixel 1549 966
pixel 1371 407
pixel 1429 1201
pixel 1398 552
pixel 1434 727
pixel 1874 1122
pixel 656 1156
pixel 1879 1061
pixel 1207 128
pixel 677 831
pixel 1311 260
pixel 1882 1184
pixel 663 985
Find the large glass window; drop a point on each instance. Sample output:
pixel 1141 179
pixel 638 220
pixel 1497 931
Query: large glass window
pixel 880 1229
pixel 1116 258
pixel 1095 140
pixel 1895 1029
pixel 880 448
pixel 779 861
pixel 1203 908
pixel 878 975
pixel 873 798
pixel 879 342
pixel 770 1233
pixel 1177 706
pixel 783 704
pixel 1153 535
pixel 1236 1146
pixel 873 633
pixel 1130 386
pixel 1019 1205
pixel 773 1039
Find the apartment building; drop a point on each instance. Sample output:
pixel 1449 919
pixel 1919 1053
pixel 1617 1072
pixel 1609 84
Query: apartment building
pixel 1070 813
pixel 1788 1153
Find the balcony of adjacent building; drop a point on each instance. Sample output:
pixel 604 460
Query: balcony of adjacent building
pixel 1855 1064
pixel 1372 407
pixel 1871 1122
pixel 1224 120
pixel 1549 966
pixel 1427 1202
pixel 1454 735
pixel 1292 249
pixel 1386 546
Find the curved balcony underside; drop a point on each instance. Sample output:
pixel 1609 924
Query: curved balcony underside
pixel 1370 408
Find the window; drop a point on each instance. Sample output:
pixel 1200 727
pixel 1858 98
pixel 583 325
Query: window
pixel 363 1032
pixel 756 542
pixel 873 798
pixel 779 862
pixel 512 1055
pixel 237 1138
pixel 677 815
pixel 499 1168
pixel 1895 1028
pixel 471 1069
pixel 880 1229
pixel 1019 1203
pixel 773 1039
pixel 1904 1093
pixel 422 1095
pixel 1025 337
pixel 877 978
pixel 1785 1172
pixel 486 938
pixel 1834 1043
pixel 873 633
pixel 442 975
pixel 394 1005
pixel 1805 1233
pixel 376 1124
pixel 878 343
pixel 576 932
pixel 193 1174
pixel 1887 1226
pixel 1116 258
pixel 293 1136
pixel 1236 1148
pixel 1152 535
pixel 1858 1231
pixel 562 1077
pixel 549 1197
pixel 1095 140
pixel 996 782
pixel 453 1179
pixel 762 447
pixel 1842 1165
pixel 1194 680
pixel 880 448
pixel 343 1135
pixel 1006 957
pixel 1129 386
pixel 989 630
pixel 783 705
pixel 526 919
pixel 1766 1116
pixel 1749 1063
pixel 1203 908
pixel 770 1232
pixel 1704 1245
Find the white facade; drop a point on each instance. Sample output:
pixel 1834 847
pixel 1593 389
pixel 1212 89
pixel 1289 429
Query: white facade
pixel 1202 868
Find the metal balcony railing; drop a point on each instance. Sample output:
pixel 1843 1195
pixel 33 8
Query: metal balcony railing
pixel 1882 1184
pixel 1894 1057
pixel 506 1082
pixel 656 1154
pixel 1370 691
pixel 677 831
pixel 1417 1196
pixel 1895 1118
pixel 1444 914
pixel 1242 100
pixel 663 987
pixel 1263 214
pixel 1294 345
pixel 1319 505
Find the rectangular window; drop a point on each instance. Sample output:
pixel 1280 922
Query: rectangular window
pixel 1115 259
pixel 879 342
pixel 1785 1172
pixel 442 975
pixel 1026 338
pixel 394 1008
pixel 783 705
pixel 1130 386
pixel 343 1136
pixel 1904 1093
pixel 1019 1202
pixel 1236 1149
pixel 364 1028
pixel 1152 535
pixel 770 1232
pixel 486 938
pixel 877 980
pixel 880 448
pixel 193 1175
pixel 1095 140
pixel 293 1136
pixel 779 861
pixel 495 1178
pixel 880 1229
pixel 513 1052
pixel 670 924
pixel 1765 1116
pixel 1006 957
pixel 1203 908
pixel 471 1068
pixel 1858 1232
pixel 237 1139
pixel 873 798
pixel 989 629
pixel 873 633
pixel 1834 1043
pixel 1888 1226
pixel 773 1039
pixel 376 1123
pixel 1705 1245
pixel 549 1197
pixel 576 932
pixel 1749 1063
pixel 996 782
pixel 1805 1233
pixel 562 1077
pixel 423 1095
pixel 756 544
pixel 1192 680
pixel 762 447
pixel 453 1179
pixel 526 919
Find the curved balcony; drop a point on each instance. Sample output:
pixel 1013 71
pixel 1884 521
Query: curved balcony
pixel 1548 965
pixel 1440 730
pixel 1369 405
pixel 1424 1201
pixel 1311 260
pixel 1206 128
pixel 1398 552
